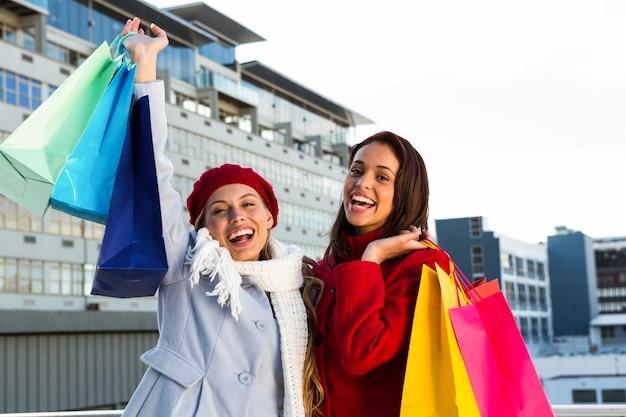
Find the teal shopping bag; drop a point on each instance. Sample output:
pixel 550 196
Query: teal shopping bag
pixel 84 186
pixel 35 153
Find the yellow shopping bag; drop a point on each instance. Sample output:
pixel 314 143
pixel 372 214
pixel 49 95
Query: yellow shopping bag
pixel 436 381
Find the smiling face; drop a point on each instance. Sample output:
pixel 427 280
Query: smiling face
pixel 239 220
pixel 368 189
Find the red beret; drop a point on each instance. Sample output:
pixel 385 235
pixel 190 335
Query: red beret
pixel 214 178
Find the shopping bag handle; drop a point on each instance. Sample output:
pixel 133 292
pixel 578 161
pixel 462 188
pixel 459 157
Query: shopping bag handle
pixel 462 282
pixel 117 44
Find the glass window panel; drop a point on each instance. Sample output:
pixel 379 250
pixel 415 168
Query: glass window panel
pixel 35 94
pixel 54 278
pixel 11 86
pixel 613 396
pixel 11 275
pixel 583 396
pixel 29 39
pixel 23 88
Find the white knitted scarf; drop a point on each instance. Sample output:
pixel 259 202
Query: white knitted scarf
pixel 280 276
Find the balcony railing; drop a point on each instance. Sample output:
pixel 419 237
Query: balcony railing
pixel 597 410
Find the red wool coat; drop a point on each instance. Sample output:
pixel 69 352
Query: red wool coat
pixel 364 325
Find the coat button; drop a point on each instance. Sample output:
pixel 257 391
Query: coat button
pixel 317 339
pixel 333 289
pixel 260 324
pixel 245 378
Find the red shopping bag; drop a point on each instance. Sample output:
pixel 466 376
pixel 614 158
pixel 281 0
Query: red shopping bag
pixel 499 366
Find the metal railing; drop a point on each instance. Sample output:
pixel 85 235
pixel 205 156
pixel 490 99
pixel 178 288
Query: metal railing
pixel 597 410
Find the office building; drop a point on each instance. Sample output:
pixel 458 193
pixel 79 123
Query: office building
pixel 573 284
pixel 521 269
pixel 572 264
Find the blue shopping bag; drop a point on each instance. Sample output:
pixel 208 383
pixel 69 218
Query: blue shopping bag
pixel 84 186
pixel 132 260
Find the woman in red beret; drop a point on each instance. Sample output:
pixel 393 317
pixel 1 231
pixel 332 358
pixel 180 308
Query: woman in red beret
pixel 233 310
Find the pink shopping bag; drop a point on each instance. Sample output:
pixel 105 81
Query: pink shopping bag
pixel 499 366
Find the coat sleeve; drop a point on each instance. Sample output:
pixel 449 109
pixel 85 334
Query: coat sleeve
pixel 374 312
pixel 175 230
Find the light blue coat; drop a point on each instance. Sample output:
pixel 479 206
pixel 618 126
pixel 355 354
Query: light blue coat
pixel 205 363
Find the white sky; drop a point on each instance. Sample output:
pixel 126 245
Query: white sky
pixel 518 108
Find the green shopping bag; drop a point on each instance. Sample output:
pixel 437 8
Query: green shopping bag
pixel 32 157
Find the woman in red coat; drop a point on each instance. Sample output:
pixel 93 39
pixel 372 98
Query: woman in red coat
pixel 371 273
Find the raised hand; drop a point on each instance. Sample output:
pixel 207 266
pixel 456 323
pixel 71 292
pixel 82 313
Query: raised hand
pixel 144 49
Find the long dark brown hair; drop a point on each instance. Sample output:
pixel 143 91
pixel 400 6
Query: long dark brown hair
pixel 410 197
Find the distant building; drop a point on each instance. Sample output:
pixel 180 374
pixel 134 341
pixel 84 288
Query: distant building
pixel 609 327
pixel 573 283
pixel 521 269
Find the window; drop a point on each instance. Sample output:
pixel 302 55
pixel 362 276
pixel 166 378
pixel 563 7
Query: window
pixel 534 328
pixel 541 273
pixel 524 327
pixel 543 300
pixel 608 332
pixel 29 38
pixel 20 90
pixel 23 91
pixel 10 87
pixel 476 228
pixel 507 262
pixel 583 396
pixel 613 396
pixel 478 262
pixel 519 266
pixel 521 293
pixel 530 268
pixel 7 33
pixel 545 331
pixel 509 294
pixel 532 297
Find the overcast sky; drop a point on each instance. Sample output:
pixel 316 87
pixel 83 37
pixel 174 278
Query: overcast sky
pixel 518 108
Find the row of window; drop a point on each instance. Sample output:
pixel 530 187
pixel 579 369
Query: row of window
pixel 613 332
pixel 27 276
pixel 522 296
pixel 582 396
pixel 608 258
pixel 62 54
pixel 25 38
pixel 529 268
pixel 534 329
pixel 20 91
pixel 611 292
pixel 213 152
pixel 612 307
pixel 15 217
pixel 612 280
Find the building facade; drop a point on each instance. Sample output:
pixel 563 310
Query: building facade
pixel 521 269
pixel 61 349
pixel 572 266
pixel 568 299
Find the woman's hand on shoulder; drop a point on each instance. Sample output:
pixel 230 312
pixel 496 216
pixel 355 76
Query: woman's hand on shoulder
pixel 388 248
pixel 308 267
pixel 144 49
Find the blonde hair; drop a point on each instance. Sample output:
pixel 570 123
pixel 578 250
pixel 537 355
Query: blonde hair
pixel 312 384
